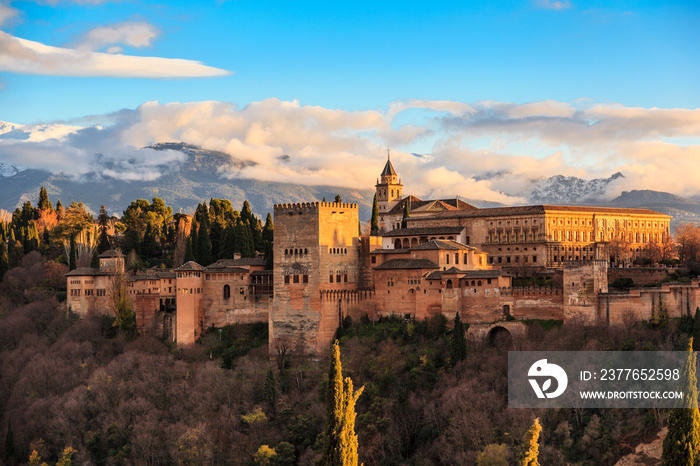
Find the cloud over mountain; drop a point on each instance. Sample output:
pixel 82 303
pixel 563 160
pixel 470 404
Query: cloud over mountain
pixel 483 150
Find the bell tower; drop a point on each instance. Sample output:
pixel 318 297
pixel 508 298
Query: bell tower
pixel 389 188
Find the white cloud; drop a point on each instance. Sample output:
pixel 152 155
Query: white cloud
pixel 484 150
pixel 134 34
pixel 29 57
pixel 6 13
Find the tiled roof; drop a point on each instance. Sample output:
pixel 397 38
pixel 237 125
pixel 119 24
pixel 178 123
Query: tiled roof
pixel 388 169
pixel 485 274
pixel 189 266
pixel 86 271
pixel 390 251
pixel 424 231
pixel 541 209
pixel 441 244
pixel 436 205
pixel 111 253
pixel 152 275
pixel 242 262
pixel 213 269
pixel 261 273
pixel 437 275
pixel 407 264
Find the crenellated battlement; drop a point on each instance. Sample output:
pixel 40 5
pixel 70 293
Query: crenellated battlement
pixel 314 206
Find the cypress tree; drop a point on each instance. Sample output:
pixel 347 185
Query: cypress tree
pixel 682 443
pixel 95 262
pixel 268 232
pixel 10 454
pixel 270 390
pixel 73 258
pixel 696 330
pixel 406 213
pixel 59 210
pixel 340 441
pixel 103 241
pixel 194 241
pixel 248 243
pixel 338 199
pixel 458 344
pixel 204 249
pixel 188 251
pixel 530 453
pixel 374 222
pixel 44 203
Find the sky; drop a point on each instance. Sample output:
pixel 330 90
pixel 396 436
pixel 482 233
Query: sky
pixel 475 99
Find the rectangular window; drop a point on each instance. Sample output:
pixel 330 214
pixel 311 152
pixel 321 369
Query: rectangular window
pixel 337 278
pixel 345 278
pixel 331 278
pixel 306 279
pixel 296 278
pixel 447 256
pixel 286 279
pixel 464 261
pixel 534 258
pixel 456 259
pixel 374 259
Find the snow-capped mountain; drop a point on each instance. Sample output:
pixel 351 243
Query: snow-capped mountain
pixel 570 189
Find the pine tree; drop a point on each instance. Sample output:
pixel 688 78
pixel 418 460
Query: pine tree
pixel 270 389
pixel 340 441
pixel 458 344
pixel 406 213
pixel 103 241
pixel 374 222
pixel 682 443
pixel 696 330
pixel 204 248
pixel 530 452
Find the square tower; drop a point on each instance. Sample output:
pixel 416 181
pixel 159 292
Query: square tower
pixel 316 251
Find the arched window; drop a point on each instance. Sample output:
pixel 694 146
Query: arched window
pixel 227 292
pixel 306 251
pixel 449 284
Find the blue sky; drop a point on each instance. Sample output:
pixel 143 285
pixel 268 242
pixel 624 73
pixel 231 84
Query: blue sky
pixel 471 80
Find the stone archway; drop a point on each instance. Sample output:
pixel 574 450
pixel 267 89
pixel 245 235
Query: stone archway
pixel 499 336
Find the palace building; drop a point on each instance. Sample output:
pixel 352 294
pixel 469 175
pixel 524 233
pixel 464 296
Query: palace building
pixel 451 257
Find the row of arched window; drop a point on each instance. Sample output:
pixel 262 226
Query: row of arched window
pixel 337 250
pixel 295 252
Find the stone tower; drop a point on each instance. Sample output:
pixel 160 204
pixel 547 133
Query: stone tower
pixel 316 250
pixel 389 188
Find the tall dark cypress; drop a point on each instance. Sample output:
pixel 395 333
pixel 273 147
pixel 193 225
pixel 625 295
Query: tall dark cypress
pixel 103 241
pixel 204 250
pixel 374 221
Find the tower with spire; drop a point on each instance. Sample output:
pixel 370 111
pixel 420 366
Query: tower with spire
pixel 388 188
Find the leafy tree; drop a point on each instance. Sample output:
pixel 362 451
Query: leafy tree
pixel 374 221
pixel 120 305
pixel 338 199
pixel 530 453
pixel 74 220
pixel 285 455
pixel 103 220
pixel 406 213
pixel 150 247
pixel 44 203
pixel 340 441
pixel 458 344
pixel 4 258
pixel 682 443
pixel 494 455
pixel 264 456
